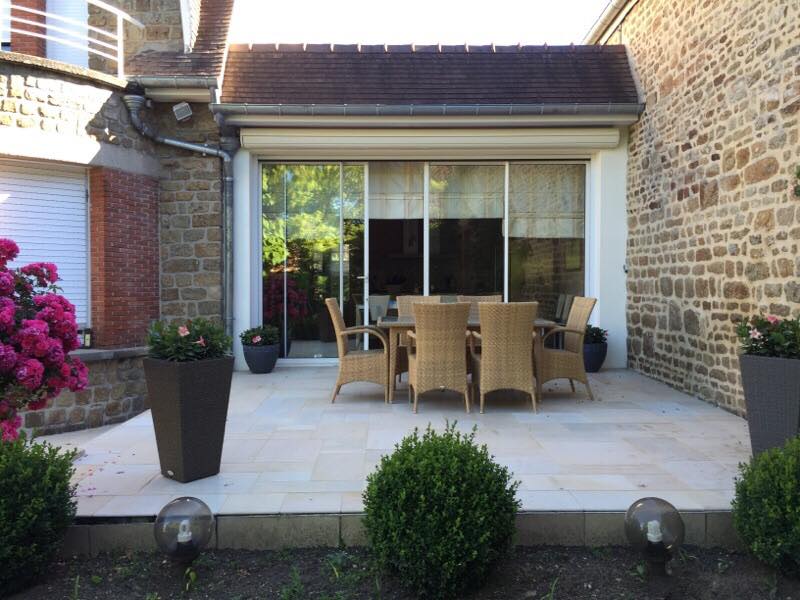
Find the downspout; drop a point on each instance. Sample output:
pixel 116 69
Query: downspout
pixel 134 105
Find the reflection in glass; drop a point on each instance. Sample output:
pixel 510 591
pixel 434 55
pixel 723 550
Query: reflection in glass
pixel 466 229
pixel 305 259
pixel 546 233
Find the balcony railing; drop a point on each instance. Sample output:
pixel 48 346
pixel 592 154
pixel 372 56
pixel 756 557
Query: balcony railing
pixel 96 41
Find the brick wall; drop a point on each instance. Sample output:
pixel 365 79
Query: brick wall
pixel 714 229
pixel 26 44
pixel 124 256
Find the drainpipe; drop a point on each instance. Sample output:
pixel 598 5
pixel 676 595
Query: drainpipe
pixel 134 105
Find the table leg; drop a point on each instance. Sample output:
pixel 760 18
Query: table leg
pixel 393 342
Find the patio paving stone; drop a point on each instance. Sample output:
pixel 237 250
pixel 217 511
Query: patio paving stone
pixel 289 450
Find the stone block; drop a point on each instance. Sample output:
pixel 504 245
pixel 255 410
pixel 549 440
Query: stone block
pixel 550 528
pixel 278 531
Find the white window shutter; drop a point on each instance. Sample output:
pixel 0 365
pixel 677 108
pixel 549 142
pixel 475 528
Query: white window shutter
pixel 44 209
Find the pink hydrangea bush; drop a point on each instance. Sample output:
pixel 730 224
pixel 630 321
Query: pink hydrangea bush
pixel 37 332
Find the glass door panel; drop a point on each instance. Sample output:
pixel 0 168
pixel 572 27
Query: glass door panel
pixel 466 229
pixel 312 249
pixel 546 210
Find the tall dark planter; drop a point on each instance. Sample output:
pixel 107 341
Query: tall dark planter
pixel 261 359
pixel 594 355
pixel 189 404
pixel 772 396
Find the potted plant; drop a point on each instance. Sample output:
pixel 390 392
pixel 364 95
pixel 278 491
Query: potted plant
pixel 595 347
pixel 188 374
pixel 261 348
pixel 770 367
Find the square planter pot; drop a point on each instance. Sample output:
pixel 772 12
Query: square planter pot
pixel 261 359
pixel 772 396
pixel 189 404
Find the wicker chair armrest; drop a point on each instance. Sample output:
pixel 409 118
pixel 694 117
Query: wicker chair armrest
pixel 563 330
pixel 412 337
pixel 366 329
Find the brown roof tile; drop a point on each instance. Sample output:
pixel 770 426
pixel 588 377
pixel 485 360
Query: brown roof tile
pixel 207 56
pixel 425 75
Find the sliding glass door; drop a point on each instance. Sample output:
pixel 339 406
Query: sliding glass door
pixel 370 232
pixel 312 249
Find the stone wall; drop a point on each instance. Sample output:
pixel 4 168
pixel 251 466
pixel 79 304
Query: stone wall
pixel 190 211
pixel 116 392
pixel 714 227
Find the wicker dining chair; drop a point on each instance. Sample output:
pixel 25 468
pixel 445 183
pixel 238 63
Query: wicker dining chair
pixel 565 362
pixel 405 308
pixel 506 341
pixel 475 300
pixel 358 365
pixel 436 358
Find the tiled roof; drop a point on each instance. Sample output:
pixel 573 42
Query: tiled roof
pixel 207 56
pixel 427 75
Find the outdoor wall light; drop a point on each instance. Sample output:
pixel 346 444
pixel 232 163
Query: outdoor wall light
pixel 183 528
pixel 182 111
pixel 655 528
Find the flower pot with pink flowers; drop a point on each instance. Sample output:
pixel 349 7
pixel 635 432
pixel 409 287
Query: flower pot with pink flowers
pixel 261 346
pixel 37 333
pixel 770 367
pixel 188 374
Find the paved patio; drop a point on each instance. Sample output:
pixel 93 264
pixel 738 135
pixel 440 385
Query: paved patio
pixel 289 450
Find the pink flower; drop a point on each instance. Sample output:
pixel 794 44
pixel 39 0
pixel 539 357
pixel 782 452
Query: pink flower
pixel 10 427
pixel 201 342
pixel 755 334
pixel 773 319
pixel 29 373
pixel 183 331
pixel 8 251
pixel 6 283
pixel 44 272
pixel 256 339
pixel 8 358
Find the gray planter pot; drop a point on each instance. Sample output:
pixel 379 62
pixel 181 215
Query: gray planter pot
pixel 772 396
pixel 594 355
pixel 189 404
pixel 261 359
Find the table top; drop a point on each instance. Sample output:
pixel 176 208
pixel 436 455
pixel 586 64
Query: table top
pixel 391 321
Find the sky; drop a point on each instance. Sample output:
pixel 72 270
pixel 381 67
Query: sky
pixel 553 22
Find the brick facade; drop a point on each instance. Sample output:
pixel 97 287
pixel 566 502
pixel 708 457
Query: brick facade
pixel 124 256
pixel 714 229
pixel 26 44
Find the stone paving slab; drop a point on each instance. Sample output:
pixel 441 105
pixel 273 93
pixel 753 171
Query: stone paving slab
pixel 288 450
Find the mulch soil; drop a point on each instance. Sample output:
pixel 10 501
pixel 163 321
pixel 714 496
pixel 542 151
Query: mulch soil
pixel 545 573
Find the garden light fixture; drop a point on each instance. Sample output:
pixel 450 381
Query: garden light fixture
pixel 183 528
pixel 655 528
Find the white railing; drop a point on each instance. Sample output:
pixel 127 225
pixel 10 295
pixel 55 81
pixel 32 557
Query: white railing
pixel 75 33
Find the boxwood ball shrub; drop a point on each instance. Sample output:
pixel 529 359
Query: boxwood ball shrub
pixel 440 512
pixel 36 507
pixel 766 508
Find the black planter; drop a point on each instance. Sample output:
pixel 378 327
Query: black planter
pixel 593 356
pixel 261 359
pixel 189 404
pixel 772 396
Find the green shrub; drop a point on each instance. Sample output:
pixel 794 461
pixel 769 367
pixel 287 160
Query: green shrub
pixel 199 339
pixel 766 509
pixel 36 507
pixel 440 512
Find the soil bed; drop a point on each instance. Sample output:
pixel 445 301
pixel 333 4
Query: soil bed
pixel 329 574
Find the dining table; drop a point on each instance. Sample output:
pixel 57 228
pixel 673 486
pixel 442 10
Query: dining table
pixel 397 325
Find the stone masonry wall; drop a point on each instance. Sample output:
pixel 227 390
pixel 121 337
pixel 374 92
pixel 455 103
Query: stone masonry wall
pixel 190 219
pixel 713 225
pixel 116 392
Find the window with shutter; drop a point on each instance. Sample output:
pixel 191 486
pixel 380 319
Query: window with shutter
pixel 43 207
